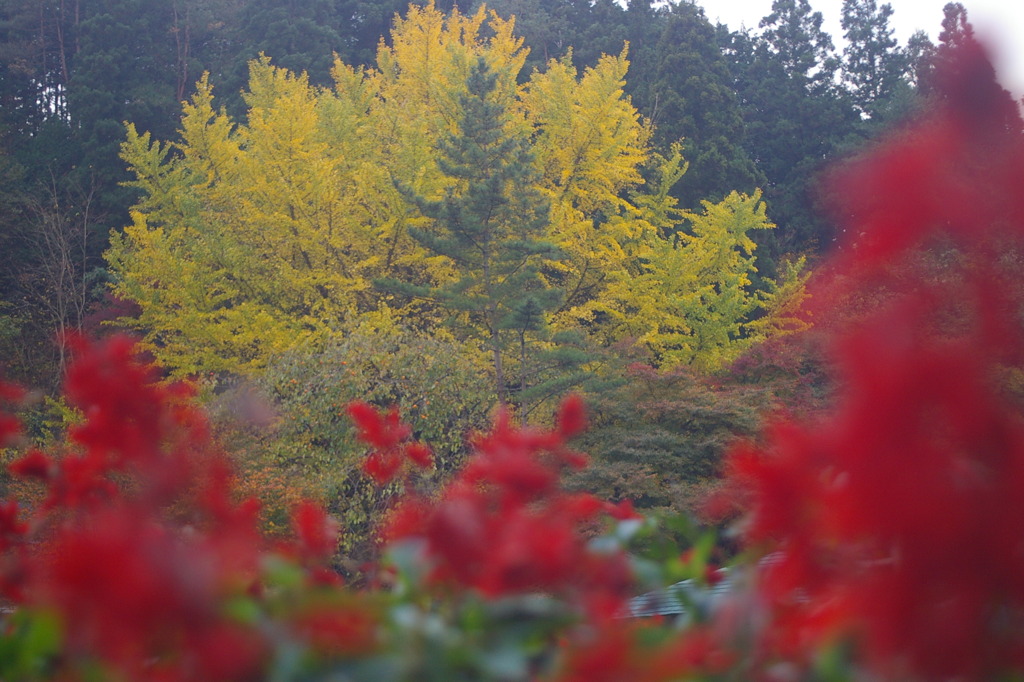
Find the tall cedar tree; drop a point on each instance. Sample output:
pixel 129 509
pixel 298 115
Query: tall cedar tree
pixel 873 66
pixel 489 223
pixel 794 34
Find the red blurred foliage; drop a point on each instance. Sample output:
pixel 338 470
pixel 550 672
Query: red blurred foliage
pixel 614 654
pixel 504 525
pixel 139 542
pixel 572 418
pixel 106 316
pixel 339 629
pixel 316 534
pixel 895 519
pixel 622 511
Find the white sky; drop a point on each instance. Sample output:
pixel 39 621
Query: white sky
pixel 1000 23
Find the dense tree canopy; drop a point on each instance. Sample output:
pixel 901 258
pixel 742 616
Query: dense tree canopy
pixel 752 110
pixel 796 117
pixel 686 90
pixel 438 186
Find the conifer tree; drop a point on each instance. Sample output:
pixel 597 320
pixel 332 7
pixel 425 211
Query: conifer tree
pixel 873 66
pixel 489 224
pixel 962 74
pixel 794 34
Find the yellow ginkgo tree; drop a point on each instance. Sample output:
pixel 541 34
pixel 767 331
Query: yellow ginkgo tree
pixel 590 145
pixel 686 292
pixel 254 236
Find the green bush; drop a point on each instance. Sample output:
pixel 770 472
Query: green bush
pixel 307 446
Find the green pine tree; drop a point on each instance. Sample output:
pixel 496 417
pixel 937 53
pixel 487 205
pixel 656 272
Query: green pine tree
pixel 489 224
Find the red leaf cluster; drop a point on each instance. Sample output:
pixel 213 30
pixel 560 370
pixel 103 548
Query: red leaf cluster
pixel 617 654
pixel 504 525
pixel 389 438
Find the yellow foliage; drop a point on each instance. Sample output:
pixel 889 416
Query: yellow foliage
pixel 591 142
pixel 590 146
pixel 250 238
pixel 689 300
